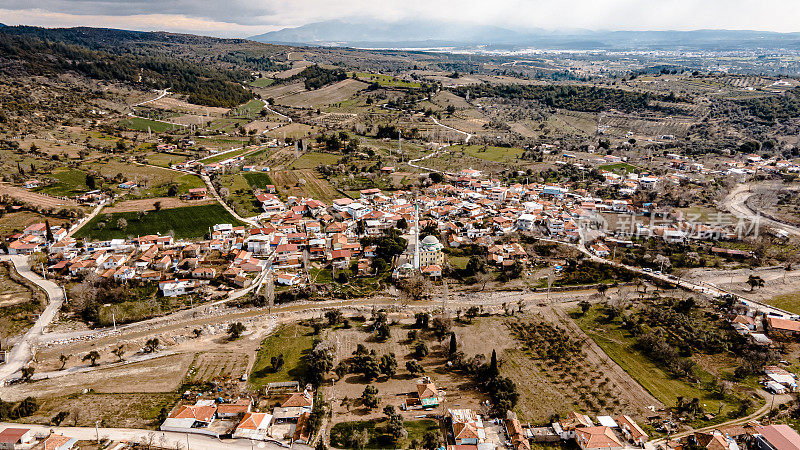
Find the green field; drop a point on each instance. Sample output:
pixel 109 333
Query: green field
pixel 618 344
pixel 489 153
pixel 70 182
pixel 385 80
pixel 139 124
pixel 262 82
pixel 187 222
pixel 313 159
pixel 294 341
pixel 620 168
pixel 257 179
pixel 378 437
pixel 165 159
pixel 250 108
pixel 241 197
pixel 789 302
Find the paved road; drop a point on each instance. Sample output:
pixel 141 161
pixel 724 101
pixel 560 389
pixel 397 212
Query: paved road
pixel 216 196
pixel 736 203
pixel 21 353
pixel 771 402
pixel 158 438
pixel 86 219
pixel 413 163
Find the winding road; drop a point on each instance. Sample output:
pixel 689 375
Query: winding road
pixel 21 353
pixel 736 203
pixel 468 135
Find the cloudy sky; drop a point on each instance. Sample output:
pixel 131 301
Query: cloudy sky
pixel 241 18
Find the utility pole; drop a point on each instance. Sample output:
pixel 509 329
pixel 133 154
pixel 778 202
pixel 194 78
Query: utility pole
pixel 400 143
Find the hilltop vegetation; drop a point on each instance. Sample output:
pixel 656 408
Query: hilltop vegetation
pixel 575 98
pixel 314 77
pixel 203 85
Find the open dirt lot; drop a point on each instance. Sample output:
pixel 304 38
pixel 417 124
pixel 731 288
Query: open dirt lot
pixel 281 90
pixel 334 93
pixel 147 204
pixel 212 366
pixel 173 104
pixel 460 389
pixel 292 130
pixel 192 119
pixel 287 182
pixel 11 292
pixel 157 375
pixel 261 125
pixel 44 201
pixel 113 410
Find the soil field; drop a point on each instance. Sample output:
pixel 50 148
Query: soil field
pixel 594 385
pixel 173 104
pixel 334 93
pixel 192 119
pixel 292 130
pixel 44 201
pixel 18 221
pixel 217 366
pixel 112 410
pixel 163 374
pixel 459 390
pixel 261 125
pixel 281 90
pixel 147 204
pixel 20 305
pixel 288 182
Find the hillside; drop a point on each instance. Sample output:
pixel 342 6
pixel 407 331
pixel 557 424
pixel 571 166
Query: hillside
pixel 24 55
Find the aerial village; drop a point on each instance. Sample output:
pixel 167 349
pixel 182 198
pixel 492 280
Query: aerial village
pixel 296 235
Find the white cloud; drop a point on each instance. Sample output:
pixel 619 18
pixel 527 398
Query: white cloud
pixel 232 18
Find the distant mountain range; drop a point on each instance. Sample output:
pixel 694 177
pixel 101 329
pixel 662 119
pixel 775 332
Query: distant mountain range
pixel 426 34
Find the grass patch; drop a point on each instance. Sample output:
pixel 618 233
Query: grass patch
pixel 294 341
pixel 789 302
pixel 619 168
pixel 165 159
pixel 385 80
pixel 140 124
pixel 114 410
pixel 186 222
pixel 341 433
pixel 250 108
pixel 241 197
pixel 69 183
pixel 262 82
pixel 459 262
pixel 618 344
pixel 141 302
pixel 257 180
pixel 314 159
pixel 489 153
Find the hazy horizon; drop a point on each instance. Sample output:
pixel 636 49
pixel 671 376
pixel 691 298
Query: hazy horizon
pixel 244 18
